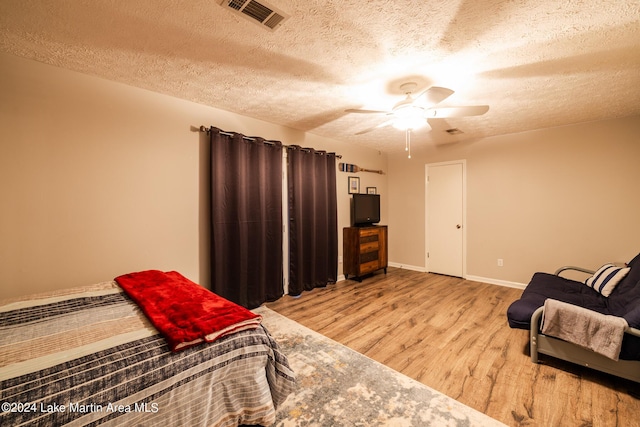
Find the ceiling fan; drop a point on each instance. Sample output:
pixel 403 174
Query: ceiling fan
pixel 412 113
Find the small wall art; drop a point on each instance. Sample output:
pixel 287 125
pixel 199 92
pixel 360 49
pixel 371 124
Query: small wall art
pixel 354 185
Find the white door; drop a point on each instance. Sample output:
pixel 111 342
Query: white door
pixel 445 218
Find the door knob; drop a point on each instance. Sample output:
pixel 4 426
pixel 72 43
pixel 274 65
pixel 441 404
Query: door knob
pixel 458 226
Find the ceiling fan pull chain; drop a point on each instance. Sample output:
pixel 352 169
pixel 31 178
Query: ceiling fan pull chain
pixel 406 140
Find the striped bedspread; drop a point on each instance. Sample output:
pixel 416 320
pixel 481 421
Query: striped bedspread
pixel 88 356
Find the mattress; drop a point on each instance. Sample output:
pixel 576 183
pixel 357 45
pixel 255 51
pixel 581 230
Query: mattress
pixel 88 356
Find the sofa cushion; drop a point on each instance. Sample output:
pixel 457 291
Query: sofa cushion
pixel 607 278
pixel 545 285
pixel 626 296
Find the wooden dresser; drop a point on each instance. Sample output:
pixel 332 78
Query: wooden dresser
pixel 364 250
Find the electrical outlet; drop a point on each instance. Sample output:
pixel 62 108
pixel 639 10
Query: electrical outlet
pixel 500 262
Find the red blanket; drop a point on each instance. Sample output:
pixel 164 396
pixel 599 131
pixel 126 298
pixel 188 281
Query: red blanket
pixel 185 313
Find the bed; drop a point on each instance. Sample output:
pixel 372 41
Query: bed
pixel 90 356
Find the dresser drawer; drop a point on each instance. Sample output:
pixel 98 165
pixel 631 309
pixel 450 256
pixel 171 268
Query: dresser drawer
pixel 369 247
pixel 369 238
pixel 366 257
pixel 368 267
pixel 367 232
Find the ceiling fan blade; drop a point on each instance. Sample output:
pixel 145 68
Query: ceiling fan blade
pixel 355 110
pixel 381 125
pixel 434 95
pixel 444 112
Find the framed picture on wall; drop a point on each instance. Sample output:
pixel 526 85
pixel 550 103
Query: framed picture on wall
pixel 372 190
pixel 354 185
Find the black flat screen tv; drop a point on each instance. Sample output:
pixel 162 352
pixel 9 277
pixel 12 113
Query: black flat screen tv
pixel 365 209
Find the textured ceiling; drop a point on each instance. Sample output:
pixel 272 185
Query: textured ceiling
pixel 536 63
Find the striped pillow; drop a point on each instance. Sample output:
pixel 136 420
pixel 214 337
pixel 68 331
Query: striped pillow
pixel 606 278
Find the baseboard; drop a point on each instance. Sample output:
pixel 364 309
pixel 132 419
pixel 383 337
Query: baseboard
pixel 496 282
pixel 468 277
pixel 407 267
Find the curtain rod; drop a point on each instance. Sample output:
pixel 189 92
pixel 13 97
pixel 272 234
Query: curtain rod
pixel 248 138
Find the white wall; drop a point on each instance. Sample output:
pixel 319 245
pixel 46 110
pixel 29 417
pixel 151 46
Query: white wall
pixel 99 179
pixel 538 200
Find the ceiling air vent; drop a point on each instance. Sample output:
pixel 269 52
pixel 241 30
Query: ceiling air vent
pixel 454 131
pixel 259 13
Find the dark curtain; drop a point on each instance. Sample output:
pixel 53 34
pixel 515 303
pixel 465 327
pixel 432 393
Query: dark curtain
pixel 246 219
pixel 313 219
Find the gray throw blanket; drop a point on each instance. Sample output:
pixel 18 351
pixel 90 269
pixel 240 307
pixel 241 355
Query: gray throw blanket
pixel 587 328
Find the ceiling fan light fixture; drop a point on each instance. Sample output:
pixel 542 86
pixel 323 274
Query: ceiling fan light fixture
pixel 409 117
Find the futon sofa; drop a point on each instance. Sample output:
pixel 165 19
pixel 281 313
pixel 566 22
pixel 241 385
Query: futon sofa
pixel 618 297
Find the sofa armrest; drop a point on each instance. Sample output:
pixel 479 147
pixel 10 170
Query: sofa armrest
pixel 571 267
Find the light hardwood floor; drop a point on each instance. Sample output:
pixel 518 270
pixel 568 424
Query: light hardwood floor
pixel 452 335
